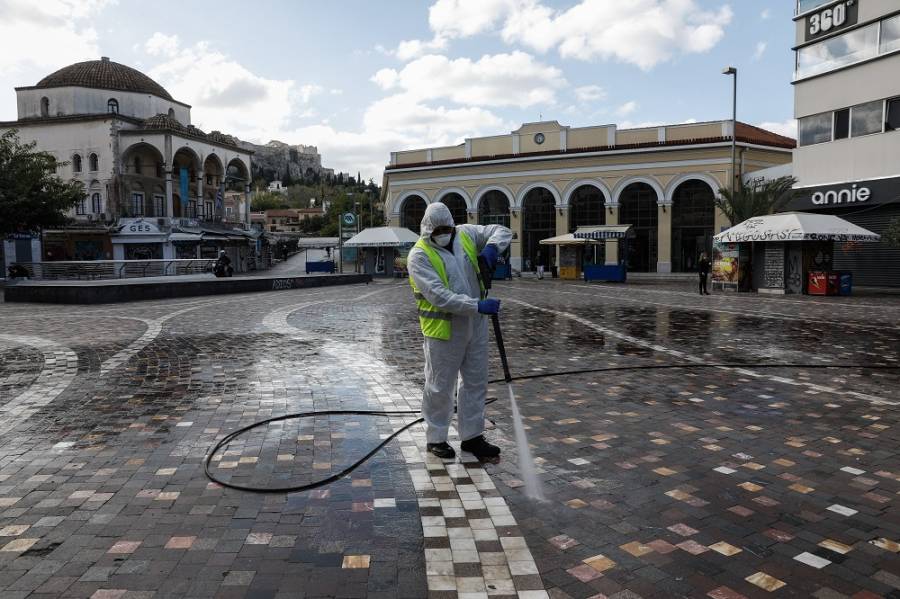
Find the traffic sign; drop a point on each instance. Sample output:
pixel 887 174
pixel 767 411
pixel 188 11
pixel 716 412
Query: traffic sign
pixel 349 219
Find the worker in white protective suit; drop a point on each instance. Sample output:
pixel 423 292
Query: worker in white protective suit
pixel 443 271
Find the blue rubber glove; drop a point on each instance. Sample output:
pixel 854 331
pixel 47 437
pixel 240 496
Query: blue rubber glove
pixel 489 306
pixel 490 254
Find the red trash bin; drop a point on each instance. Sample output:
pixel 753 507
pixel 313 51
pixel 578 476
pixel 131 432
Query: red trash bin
pixel 817 283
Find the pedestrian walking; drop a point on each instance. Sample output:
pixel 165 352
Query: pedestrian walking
pixel 540 266
pixel 703 269
pixel 451 299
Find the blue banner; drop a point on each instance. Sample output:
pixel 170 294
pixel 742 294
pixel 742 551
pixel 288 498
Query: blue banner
pixel 183 182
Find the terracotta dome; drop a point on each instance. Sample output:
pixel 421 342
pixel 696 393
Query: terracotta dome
pixel 104 74
pixel 163 121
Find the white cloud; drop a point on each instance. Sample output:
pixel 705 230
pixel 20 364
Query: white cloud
pixel 765 14
pixel 161 44
pixel 788 127
pixel 513 79
pixel 590 93
pixel 627 108
pixel 760 50
pixel 640 32
pixel 409 49
pixel 47 35
pixel 224 94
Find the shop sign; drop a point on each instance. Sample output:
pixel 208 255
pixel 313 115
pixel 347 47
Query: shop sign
pixel 832 18
pixel 140 227
pixel 859 193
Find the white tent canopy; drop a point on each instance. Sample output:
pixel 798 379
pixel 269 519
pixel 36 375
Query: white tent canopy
pixel 602 232
pixel 567 239
pixel 795 226
pixel 382 237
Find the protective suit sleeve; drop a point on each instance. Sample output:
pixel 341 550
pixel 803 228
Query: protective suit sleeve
pixel 430 285
pixel 482 235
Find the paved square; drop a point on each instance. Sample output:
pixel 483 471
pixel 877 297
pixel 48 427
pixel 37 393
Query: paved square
pixel 666 472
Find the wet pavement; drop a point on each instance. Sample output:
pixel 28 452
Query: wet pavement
pixel 708 454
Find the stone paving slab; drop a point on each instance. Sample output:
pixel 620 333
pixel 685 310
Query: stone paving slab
pixel 696 482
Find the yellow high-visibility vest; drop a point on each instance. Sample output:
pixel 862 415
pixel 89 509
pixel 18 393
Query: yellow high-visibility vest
pixel 434 322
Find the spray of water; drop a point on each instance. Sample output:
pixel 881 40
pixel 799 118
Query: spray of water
pixel 533 487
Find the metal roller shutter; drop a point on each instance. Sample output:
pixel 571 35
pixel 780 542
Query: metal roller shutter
pixel 872 264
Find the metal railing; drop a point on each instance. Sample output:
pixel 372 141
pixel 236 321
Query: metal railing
pixel 75 270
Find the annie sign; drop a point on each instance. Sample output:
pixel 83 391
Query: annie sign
pixel 859 194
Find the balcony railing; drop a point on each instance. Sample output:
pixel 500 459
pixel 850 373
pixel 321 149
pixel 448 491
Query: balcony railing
pixel 115 269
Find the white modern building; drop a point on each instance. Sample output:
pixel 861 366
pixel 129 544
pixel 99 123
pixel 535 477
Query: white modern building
pixel 847 102
pixel 154 184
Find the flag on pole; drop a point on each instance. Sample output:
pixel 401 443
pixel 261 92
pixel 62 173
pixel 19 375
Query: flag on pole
pixel 220 199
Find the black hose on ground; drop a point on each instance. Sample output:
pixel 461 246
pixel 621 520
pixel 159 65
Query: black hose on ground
pixel 384 414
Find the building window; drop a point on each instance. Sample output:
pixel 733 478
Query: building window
pixel 172 113
pixel 807 5
pixel 853 46
pixel 866 119
pixel 209 210
pixel 890 35
pixel 892 120
pixel 137 204
pixel 158 205
pixel 209 179
pixel 842 124
pixel 81 206
pixel 112 106
pixel 76 163
pixel 96 205
pixel 137 165
pixel 814 129
pixel 159 170
pixel 94 163
pixel 192 209
pixel 45 106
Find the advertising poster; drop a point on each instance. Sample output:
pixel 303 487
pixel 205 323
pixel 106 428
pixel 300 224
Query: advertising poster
pixel 726 264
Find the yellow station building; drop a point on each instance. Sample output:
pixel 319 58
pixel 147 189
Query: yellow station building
pixel 547 179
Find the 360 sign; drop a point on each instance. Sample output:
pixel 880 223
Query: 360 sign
pixel 833 18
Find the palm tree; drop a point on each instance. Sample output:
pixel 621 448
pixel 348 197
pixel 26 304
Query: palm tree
pixel 757 198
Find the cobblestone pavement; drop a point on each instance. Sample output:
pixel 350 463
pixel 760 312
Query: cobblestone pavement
pixel 702 481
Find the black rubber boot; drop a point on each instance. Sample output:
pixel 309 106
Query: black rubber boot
pixel 480 447
pixel 441 450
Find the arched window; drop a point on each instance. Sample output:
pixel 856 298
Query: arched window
pixel 96 205
pixel 94 163
pixel 45 106
pixel 112 106
pixel 76 163
pixel 172 113
pixel 80 207
pixel 137 165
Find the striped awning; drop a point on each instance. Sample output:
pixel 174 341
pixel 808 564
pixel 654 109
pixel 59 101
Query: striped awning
pixel 603 232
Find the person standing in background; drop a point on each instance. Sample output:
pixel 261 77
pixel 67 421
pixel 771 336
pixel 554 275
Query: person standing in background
pixel 703 269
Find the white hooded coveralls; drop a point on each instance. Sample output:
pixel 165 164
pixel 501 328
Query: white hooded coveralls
pixel 464 356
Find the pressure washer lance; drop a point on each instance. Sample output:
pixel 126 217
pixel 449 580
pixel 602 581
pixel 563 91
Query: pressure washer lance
pixel 533 488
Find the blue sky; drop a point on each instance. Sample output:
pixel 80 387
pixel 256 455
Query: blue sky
pixel 359 79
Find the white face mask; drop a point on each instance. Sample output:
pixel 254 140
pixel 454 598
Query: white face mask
pixel 443 240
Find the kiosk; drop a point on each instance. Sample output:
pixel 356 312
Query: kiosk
pixel 615 272
pixel 383 249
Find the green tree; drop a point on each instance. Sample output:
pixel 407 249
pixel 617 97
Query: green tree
pixel 32 196
pixel 757 198
pixel 891 235
pixel 265 200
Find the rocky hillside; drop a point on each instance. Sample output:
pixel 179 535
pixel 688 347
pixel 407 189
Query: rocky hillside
pixel 273 160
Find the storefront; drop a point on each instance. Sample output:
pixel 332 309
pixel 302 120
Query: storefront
pixel 77 244
pixel 140 239
pixel 872 205
pixel 791 252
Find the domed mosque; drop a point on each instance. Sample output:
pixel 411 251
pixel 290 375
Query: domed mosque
pixel 156 186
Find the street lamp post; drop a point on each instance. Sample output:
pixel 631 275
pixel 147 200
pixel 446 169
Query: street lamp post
pixel 733 71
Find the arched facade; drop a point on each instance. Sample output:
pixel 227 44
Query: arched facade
pixel 538 205
pixel 693 223
pixel 590 175
pixel 458 206
pixel 412 209
pixel 587 206
pixel 493 207
pixel 638 207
